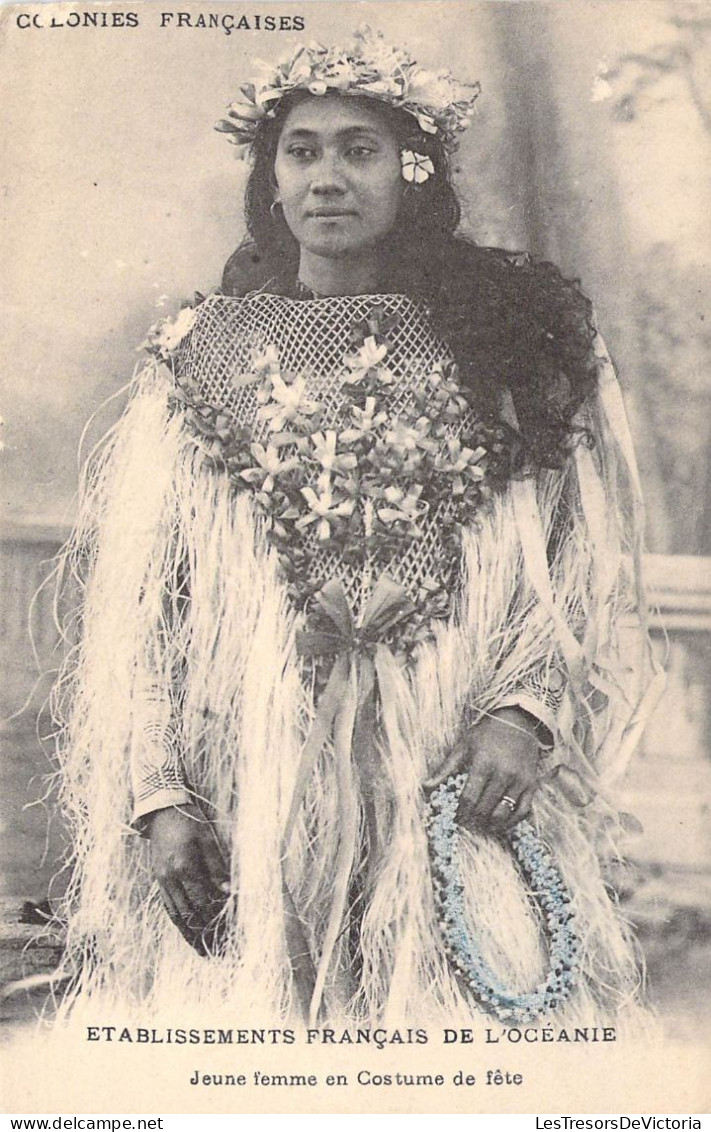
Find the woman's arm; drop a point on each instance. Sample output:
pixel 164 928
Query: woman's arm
pixel 519 674
pixel 185 853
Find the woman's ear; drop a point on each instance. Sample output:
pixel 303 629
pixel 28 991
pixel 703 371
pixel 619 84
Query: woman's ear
pixel 274 188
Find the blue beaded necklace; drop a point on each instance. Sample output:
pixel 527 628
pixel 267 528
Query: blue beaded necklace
pixel 547 889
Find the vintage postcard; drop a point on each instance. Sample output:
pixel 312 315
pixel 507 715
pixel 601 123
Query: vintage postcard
pixel 355 449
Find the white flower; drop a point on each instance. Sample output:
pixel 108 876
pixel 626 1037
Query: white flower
pixel 373 51
pixel 269 466
pixel 169 333
pixel 324 448
pixel 301 67
pixel 339 75
pixel 324 509
pixel 429 89
pixel 269 95
pixel 385 87
pixel 416 167
pixel 402 507
pixel 174 333
pixel 408 438
pixel 264 71
pixel 426 122
pixel 245 111
pixel 371 354
pixel 288 403
pixel 266 362
pixel 460 461
pixel 368 359
pixel 365 420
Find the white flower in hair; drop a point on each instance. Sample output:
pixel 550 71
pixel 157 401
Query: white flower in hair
pixel 247 111
pixel 300 69
pixel 416 167
pixel 426 122
pixel 429 89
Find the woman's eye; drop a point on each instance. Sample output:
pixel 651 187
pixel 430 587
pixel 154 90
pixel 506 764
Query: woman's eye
pixel 360 150
pixel 301 152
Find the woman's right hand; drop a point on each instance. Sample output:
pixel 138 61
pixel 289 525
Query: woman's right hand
pixel 191 871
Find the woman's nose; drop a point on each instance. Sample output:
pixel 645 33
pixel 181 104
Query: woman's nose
pixel 327 175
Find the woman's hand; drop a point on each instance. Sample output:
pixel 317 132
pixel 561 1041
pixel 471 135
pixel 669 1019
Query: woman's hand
pixel 191 871
pixel 501 759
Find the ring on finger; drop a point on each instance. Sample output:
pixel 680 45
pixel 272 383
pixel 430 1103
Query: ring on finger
pixel 508 801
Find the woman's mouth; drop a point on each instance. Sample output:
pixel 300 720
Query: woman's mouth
pixel 326 213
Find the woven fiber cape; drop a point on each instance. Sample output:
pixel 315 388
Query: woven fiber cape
pixel 303 573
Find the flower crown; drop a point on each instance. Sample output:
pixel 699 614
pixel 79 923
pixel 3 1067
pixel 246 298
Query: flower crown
pixel 369 67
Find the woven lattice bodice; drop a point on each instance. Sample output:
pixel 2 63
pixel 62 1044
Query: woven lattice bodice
pixel 311 339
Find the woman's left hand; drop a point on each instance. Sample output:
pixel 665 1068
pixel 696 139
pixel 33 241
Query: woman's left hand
pixel 502 759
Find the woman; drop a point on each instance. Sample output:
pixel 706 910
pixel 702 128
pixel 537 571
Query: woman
pixel 375 491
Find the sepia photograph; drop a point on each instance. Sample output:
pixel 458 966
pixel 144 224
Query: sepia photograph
pixel 355 557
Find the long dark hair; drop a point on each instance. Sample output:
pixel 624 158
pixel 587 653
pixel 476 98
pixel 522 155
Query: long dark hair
pixel 510 321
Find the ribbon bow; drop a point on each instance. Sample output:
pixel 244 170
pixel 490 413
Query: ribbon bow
pixel 346 710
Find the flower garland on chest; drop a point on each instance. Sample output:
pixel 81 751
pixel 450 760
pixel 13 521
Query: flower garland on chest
pixel 393 469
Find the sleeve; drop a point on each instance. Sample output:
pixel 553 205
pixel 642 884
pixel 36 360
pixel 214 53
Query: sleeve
pixel 158 778
pixel 546 615
pixel 523 604
pixel 540 684
pixel 540 695
pixel 157 775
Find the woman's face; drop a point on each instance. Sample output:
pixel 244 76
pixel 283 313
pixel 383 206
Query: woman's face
pixel 338 175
